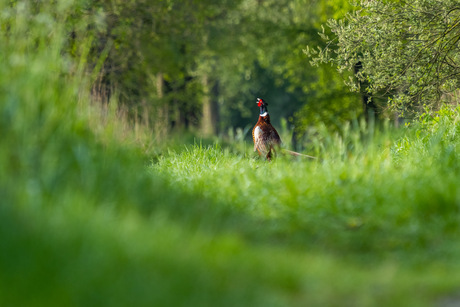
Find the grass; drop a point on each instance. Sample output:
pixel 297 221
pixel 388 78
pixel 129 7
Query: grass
pixel 91 218
pixel 366 207
pixel 372 205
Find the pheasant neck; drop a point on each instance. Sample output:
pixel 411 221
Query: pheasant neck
pixel 264 118
pixel 263 111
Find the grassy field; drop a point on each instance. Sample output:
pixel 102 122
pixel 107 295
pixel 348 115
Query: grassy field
pixel 89 217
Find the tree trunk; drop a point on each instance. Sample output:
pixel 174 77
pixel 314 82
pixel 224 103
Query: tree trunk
pixel 210 108
pixel 161 124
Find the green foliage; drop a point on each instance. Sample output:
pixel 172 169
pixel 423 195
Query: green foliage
pixel 144 39
pixel 264 58
pixel 330 105
pixel 245 49
pixel 407 51
pixel 434 135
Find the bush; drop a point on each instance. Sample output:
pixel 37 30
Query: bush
pixel 406 51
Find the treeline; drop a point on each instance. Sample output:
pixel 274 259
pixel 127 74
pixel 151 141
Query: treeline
pixel 200 64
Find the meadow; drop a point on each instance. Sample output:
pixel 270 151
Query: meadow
pixel 94 213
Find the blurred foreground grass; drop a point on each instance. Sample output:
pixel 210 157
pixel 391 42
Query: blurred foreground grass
pixel 84 220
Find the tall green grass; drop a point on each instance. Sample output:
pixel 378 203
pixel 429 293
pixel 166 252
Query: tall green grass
pixel 85 220
pixel 363 197
pixel 374 199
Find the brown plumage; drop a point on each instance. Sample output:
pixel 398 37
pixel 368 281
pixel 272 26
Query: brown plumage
pixel 266 138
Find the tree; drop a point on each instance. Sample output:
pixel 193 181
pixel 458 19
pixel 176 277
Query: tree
pixel 200 64
pixel 408 51
pixel 260 54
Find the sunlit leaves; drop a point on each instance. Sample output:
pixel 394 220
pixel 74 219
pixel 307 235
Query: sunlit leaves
pixel 408 51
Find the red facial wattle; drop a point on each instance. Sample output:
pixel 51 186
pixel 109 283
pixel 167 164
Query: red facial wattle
pixel 260 102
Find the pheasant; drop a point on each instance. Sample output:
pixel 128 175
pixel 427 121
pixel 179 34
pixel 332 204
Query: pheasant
pixel 266 138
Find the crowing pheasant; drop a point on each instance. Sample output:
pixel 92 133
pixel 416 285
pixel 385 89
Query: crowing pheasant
pixel 265 136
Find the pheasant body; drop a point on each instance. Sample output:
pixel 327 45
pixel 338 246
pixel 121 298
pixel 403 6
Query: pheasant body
pixel 265 136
